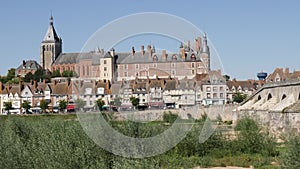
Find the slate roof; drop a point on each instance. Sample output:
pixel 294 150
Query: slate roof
pixel 29 65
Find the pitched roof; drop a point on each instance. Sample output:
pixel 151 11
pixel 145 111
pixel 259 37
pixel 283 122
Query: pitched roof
pixel 29 65
pixel 51 35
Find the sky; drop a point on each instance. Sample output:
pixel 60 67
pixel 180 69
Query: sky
pixel 249 36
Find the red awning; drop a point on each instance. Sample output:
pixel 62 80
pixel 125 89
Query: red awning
pixel 157 104
pixel 70 107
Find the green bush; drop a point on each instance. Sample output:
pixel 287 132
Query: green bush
pixel 290 158
pixel 169 117
pixel 251 140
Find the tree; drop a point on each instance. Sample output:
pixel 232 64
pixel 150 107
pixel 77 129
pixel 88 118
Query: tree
pixel 38 75
pixel 62 105
pixel 29 76
pixel 100 103
pixel 227 77
pixel 134 101
pixel 26 105
pixel 11 74
pixel 68 73
pixel 7 107
pixel 117 101
pixel 239 97
pixel 55 73
pixel 79 103
pixel 43 105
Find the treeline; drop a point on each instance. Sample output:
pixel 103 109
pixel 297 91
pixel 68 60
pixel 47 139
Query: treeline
pixel 58 141
pixel 38 75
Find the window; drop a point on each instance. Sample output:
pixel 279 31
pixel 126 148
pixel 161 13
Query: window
pixel 193 72
pixel 136 66
pixel 193 65
pixel 214 89
pixel 154 65
pixel 104 61
pixel 155 59
pixel 208 95
pixel 193 57
pixel 174 57
pixel 125 74
pixel 221 89
pixel 221 95
pixel 208 89
pixel 105 68
pixel 173 64
pixel 125 66
pixel 173 72
pixel 215 95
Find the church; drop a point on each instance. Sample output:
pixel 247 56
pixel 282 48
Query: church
pixel 119 66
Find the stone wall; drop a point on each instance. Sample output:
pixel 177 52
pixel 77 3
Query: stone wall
pixel 276 123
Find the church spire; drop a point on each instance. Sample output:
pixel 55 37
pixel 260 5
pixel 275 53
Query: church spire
pixel 51 35
pixel 51 20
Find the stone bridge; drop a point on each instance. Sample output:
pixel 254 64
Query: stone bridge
pixel 275 106
pixel 278 97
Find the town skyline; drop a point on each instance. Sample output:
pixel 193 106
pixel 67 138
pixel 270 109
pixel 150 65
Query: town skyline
pixel 257 24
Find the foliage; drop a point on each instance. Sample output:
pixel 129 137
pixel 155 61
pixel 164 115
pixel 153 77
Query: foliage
pixel 117 101
pixel 79 103
pixel 7 106
pixel 291 155
pixel 239 97
pixel 251 140
pixel 227 77
pixel 26 105
pixel 68 73
pixel 100 103
pixel 29 76
pixel 59 141
pixel 43 105
pixel 9 76
pixel 169 117
pixel 134 101
pixel 62 105
pixel 55 73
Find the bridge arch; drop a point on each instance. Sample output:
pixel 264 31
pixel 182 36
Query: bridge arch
pixel 283 97
pixel 269 96
pixel 259 97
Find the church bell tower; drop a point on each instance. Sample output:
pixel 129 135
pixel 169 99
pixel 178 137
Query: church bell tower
pixel 51 47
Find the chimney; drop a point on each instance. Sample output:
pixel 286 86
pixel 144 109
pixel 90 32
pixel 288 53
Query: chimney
pixel 1 85
pixel 189 44
pixel 287 70
pixel 164 55
pixel 112 52
pixel 24 62
pixel 102 51
pixel 198 44
pixel 20 86
pixel 182 54
pixel 142 50
pixel 132 51
pixel 34 85
pixel 149 50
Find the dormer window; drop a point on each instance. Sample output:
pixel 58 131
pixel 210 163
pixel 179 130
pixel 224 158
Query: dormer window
pixel 155 59
pixel 193 57
pixel 174 57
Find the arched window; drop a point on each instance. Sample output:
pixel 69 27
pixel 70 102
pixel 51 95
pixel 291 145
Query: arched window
pixel 283 96
pixel 269 96
pixel 155 59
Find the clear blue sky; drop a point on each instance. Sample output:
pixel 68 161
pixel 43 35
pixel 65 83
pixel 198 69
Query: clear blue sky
pixel 249 36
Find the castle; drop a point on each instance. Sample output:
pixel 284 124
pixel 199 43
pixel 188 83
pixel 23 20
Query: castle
pixel 118 66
